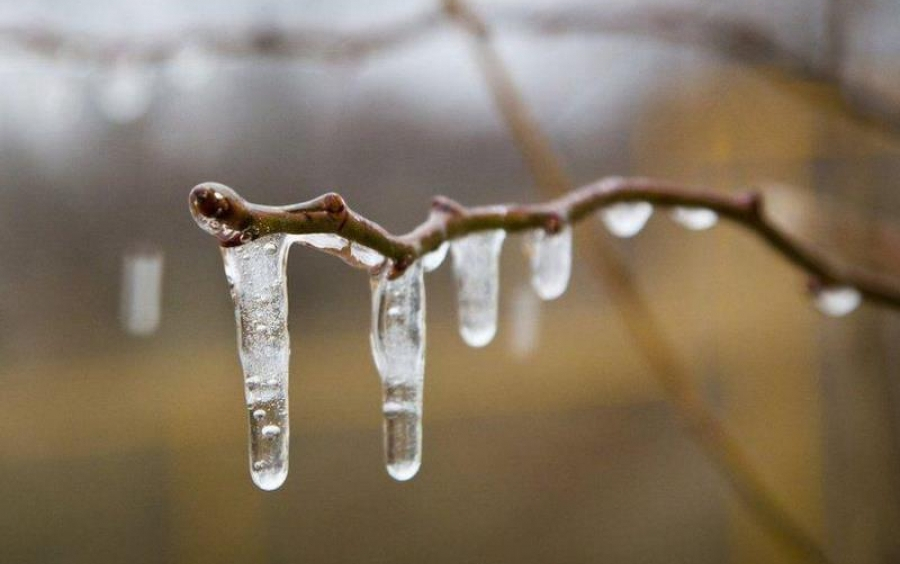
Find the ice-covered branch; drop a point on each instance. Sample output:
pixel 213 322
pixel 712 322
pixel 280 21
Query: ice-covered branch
pixel 222 212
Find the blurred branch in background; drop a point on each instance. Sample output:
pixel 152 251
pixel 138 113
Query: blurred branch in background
pixel 635 311
pixel 725 34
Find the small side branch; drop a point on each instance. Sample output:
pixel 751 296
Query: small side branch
pixel 233 220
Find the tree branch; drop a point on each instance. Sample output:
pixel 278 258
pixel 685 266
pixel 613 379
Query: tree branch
pixel 234 220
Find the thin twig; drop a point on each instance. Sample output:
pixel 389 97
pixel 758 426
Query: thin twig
pixel 234 220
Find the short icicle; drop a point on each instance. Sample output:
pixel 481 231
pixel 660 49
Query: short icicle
pixel 837 301
pixel 476 267
pixel 550 255
pixel 256 274
pixel 695 219
pixel 398 347
pixel 626 219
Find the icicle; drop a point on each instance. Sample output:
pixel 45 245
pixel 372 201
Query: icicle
pixel 837 301
pixel 364 255
pixel 551 261
pixel 696 219
pixel 398 347
pixel 435 258
pixel 256 274
pixel 525 323
pixel 141 291
pixel 125 94
pixel 626 219
pixel 476 267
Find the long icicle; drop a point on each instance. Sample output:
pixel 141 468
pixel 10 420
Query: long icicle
pixel 398 347
pixel 256 275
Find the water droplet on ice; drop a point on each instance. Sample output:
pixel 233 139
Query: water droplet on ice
pixel 259 292
pixel 550 256
pixel 431 261
pixel 626 219
pixel 398 348
pixel 476 267
pixel 696 219
pixel 837 301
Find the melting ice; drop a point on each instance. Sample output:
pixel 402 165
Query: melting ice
pixel 837 301
pixel 626 219
pixel 256 274
pixel 398 347
pixel 551 261
pixel 696 219
pixel 476 268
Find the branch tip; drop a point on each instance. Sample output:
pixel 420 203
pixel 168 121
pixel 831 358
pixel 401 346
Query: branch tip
pixel 444 204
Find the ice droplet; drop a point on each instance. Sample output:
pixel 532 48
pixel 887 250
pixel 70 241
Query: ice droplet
pixel 259 291
pixel 476 267
pixel 142 291
pixel 126 92
pixel 838 301
pixel 365 255
pixel 398 348
pixel 696 219
pixel 191 68
pixel 626 219
pixel 550 255
pixel 435 258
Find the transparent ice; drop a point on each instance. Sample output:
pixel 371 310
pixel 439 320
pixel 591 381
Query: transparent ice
pixel 398 347
pixel 256 275
pixel 696 219
pixel 837 301
pixel 550 256
pixel 435 258
pixel 327 241
pixel 626 219
pixel 364 255
pixel 476 267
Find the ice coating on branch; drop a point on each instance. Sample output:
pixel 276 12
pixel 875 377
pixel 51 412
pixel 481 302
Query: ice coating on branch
pixel 322 241
pixel 476 267
pixel 550 255
pixel 398 347
pixel 626 219
pixel 364 255
pixel 435 258
pixel 696 219
pixel 837 301
pixel 256 274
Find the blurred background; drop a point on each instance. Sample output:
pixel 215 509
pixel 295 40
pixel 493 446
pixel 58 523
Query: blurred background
pixel 121 402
